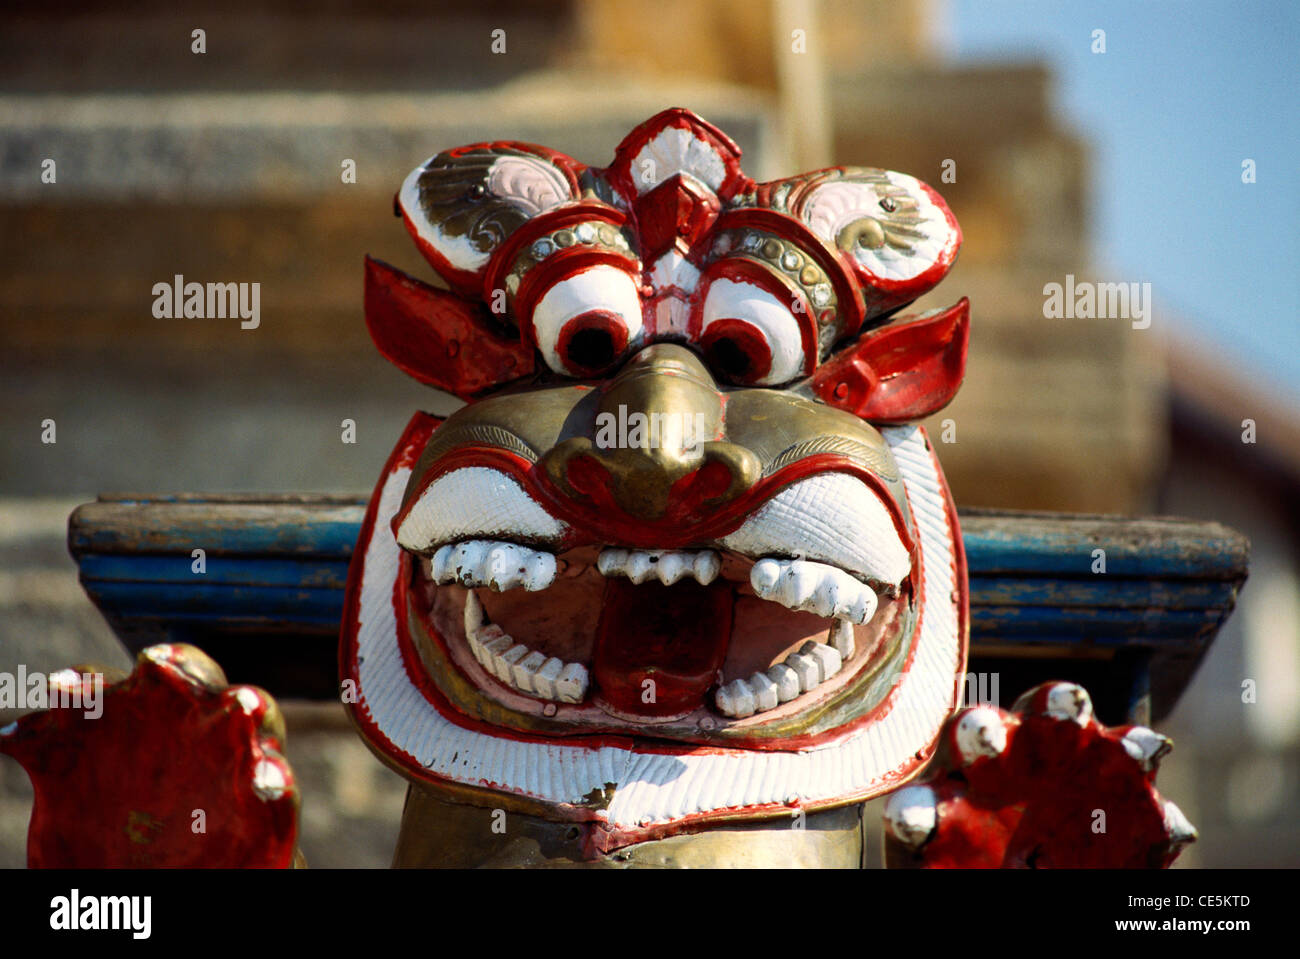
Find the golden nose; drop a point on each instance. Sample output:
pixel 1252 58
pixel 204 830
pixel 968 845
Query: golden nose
pixel 655 448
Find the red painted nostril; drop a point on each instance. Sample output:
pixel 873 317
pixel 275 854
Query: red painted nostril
pixel 586 475
pixel 709 481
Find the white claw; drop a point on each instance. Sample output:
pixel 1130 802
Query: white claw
pixel 980 732
pixel 911 815
pixel 1146 746
pixel 1069 701
pixel 1180 830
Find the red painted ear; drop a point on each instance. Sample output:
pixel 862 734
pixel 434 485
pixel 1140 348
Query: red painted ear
pixel 901 372
pixel 438 337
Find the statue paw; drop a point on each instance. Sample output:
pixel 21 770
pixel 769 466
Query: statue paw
pixel 170 767
pixel 1042 786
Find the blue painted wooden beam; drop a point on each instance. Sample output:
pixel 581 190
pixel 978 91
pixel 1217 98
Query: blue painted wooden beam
pixel 276 567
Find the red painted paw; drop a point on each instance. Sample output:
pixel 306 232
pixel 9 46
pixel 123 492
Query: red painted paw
pixel 170 767
pixel 1043 786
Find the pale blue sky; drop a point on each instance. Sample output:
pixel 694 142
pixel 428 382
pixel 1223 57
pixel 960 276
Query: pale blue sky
pixel 1186 90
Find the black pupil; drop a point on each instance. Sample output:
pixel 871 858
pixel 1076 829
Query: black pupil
pixel 591 349
pixel 729 359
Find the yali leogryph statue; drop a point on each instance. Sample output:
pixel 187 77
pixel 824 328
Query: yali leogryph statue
pixel 682 582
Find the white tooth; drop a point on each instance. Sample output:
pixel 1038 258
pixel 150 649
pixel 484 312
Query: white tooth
pixel 571 685
pixel 765 692
pixel 863 605
pixel 672 567
pixel 438 571
pixel 525 669
pixel 706 567
pixel 787 682
pixel 911 815
pixel 736 700
pixel 800 586
pixel 807 669
pixel 479 640
pixel 668 566
pixel 827 658
pixel 765 575
pixel 639 567
pixel 545 677
pixel 492 643
pixel 473 616
pixel 505 661
pixel 464 562
pixel 540 569
pixel 813 587
pixel 611 561
pixel 841 637
pixel 492 563
pixel 505 566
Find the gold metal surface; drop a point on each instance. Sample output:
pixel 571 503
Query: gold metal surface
pixel 439 833
pixel 665 384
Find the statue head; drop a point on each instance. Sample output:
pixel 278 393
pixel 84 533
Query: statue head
pixel 683 556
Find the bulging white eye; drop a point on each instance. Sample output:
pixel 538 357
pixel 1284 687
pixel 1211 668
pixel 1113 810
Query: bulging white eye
pixel 584 323
pixel 750 336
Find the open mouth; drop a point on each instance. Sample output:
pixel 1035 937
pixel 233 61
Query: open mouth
pixel 732 634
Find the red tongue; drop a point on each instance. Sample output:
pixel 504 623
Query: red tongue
pixel 674 636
